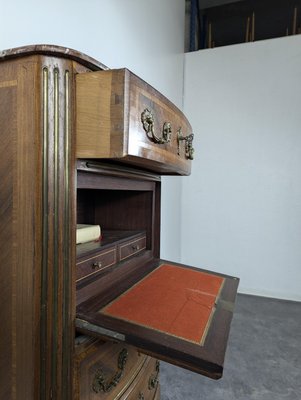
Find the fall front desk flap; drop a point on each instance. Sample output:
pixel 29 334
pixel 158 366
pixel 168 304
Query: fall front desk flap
pixel 176 313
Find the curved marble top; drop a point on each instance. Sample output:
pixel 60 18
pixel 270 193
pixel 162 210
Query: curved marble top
pixel 52 50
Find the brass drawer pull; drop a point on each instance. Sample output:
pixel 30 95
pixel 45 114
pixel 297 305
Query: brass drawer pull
pixel 189 150
pixel 147 119
pixel 136 247
pixel 97 265
pixel 99 382
pixel 154 379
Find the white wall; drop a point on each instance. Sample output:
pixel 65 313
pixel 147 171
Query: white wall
pixel 242 204
pixel 146 36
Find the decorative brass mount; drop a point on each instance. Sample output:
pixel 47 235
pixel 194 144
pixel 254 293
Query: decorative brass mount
pixel 154 379
pixel 99 382
pixel 147 119
pixel 189 150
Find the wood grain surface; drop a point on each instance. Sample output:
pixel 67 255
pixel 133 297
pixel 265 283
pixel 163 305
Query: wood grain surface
pixel 38 214
pixel 108 122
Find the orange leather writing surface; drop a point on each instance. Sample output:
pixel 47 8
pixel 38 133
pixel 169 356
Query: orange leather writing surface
pixel 171 299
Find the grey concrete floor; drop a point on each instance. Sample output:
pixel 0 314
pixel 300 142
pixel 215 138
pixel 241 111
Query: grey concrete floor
pixel 263 359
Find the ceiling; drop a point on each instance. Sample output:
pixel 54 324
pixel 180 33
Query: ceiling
pixel 226 22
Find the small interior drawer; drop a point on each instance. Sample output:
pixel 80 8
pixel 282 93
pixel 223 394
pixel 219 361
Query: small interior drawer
pixel 92 265
pixel 132 247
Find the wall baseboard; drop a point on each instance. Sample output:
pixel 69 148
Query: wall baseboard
pixel 272 295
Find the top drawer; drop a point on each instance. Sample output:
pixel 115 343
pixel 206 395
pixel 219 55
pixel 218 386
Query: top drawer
pixel 121 117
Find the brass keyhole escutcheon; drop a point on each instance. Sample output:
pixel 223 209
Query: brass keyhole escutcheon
pixel 189 150
pixel 154 378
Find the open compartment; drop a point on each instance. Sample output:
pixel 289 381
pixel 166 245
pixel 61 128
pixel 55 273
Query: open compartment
pixel 127 209
pixel 170 311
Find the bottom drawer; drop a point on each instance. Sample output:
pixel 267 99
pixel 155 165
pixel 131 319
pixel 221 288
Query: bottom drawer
pixel 105 370
pixel 146 384
pixel 157 394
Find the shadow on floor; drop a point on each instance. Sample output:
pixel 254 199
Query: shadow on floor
pixel 263 359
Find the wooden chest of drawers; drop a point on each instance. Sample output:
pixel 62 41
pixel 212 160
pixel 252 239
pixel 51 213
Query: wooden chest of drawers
pixel 121 117
pixel 55 105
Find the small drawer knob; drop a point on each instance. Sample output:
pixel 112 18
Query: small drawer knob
pixel 96 265
pixel 136 247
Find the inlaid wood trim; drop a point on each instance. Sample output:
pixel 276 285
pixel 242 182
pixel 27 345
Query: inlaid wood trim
pixel 8 83
pixel 45 229
pixel 66 362
pixel 96 256
pixel 56 292
pixel 56 190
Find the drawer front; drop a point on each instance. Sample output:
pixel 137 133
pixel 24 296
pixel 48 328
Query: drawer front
pixel 157 129
pixel 131 248
pixel 106 370
pixel 157 394
pixel 93 265
pixel 121 117
pixel 146 385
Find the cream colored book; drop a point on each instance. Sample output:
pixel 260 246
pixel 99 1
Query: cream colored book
pixel 87 233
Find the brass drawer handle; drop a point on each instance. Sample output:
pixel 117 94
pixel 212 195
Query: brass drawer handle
pixel 154 379
pixel 189 150
pixel 147 119
pixel 97 265
pixel 136 247
pixel 99 382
